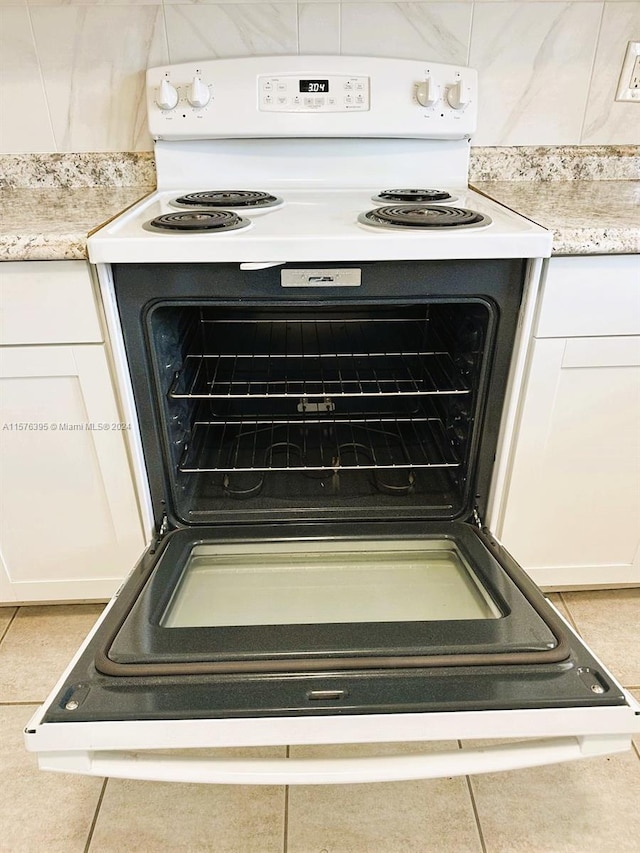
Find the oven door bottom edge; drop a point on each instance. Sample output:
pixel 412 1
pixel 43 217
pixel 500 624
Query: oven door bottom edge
pixel 197 751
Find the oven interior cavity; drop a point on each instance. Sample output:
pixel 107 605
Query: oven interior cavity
pixel 319 409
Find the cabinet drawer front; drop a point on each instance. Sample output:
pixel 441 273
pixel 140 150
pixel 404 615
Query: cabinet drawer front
pixel 586 296
pixel 602 352
pixel 47 302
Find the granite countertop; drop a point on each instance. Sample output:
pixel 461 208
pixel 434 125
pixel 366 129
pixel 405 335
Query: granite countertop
pixel 53 224
pixel 588 196
pixel 586 217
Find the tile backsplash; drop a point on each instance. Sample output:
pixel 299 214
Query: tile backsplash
pixel 72 76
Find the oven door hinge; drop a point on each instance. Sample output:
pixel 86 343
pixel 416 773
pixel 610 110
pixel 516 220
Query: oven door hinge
pixel 475 517
pixel 162 532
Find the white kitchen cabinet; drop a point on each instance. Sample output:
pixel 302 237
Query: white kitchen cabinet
pixel 69 520
pixel 571 509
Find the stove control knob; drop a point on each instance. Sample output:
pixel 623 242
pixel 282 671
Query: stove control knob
pixel 199 94
pixel 167 97
pixel 427 93
pixel 459 95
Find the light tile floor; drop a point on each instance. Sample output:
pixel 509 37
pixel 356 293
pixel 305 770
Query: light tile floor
pixel 592 806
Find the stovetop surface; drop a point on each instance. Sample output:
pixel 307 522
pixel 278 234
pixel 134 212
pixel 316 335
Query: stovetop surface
pixel 315 224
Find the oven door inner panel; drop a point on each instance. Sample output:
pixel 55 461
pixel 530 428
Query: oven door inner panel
pixel 220 605
pixel 498 645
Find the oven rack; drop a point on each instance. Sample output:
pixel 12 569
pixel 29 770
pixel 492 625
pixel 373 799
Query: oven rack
pixel 318 445
pixel 317 375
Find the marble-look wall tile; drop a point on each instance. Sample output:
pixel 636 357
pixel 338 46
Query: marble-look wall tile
pixel 93 60
pixel 25 123
pixel 435 31
pixel 227 2
pixel 607 120
pixel 80 63
pixel 94 2
pixel 319 28
pixel 534 62
pixel 210 31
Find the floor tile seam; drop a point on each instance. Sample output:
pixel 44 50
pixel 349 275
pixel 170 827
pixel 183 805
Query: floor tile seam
pixel 92 828
pixel 572 620
pixel 285 828
pixel 8 625
pixel 20 702
pixel 474 807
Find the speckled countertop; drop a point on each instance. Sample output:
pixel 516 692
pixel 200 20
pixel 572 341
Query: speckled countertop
pixel 51 202
pixel 48 224
pixel 588 196
pixel 586 217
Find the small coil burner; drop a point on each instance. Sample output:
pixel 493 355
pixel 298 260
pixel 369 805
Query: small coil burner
pixel 422 217
pixel 414 196
pixel 229 199
pixel 198 221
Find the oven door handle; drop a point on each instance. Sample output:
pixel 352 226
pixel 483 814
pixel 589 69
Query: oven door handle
pixel 296 771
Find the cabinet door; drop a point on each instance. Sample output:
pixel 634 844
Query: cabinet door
pixel 69 521
pixel 47 302
pixel 572 513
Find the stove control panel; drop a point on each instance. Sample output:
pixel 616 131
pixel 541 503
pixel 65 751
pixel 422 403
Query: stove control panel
pixel 311 96
pixel 329 94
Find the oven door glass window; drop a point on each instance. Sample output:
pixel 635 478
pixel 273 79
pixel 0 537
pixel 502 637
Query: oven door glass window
pixel 211 604
pixel 301 586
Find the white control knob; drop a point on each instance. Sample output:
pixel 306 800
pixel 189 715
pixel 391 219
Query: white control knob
pixel 459 95
pixel 427 93
pixel 199 94
pixel 167 96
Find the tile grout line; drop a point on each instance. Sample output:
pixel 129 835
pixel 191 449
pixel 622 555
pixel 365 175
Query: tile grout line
pixel 285 832
pixel 9 624
pixel 572 621
pixel 95 816
pixel 476 815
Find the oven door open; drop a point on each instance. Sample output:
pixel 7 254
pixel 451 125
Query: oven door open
pixel 426 633
pixel 215 605
pixel 323 462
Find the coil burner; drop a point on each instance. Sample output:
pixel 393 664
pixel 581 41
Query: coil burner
pixel 422 217
pixel 198 221
pixel 229 199
pixel 414 196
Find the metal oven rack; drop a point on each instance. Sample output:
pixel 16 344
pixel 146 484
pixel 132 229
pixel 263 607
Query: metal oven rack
pixel 320 396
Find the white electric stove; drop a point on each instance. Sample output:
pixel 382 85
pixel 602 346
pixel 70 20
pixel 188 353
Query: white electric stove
pixel 319 332
pixel 325 136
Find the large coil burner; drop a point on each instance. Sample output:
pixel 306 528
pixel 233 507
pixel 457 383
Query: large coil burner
pixel 198 221
pixel 422 217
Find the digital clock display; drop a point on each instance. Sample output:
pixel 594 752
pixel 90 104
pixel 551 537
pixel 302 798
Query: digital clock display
pixel 314 86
